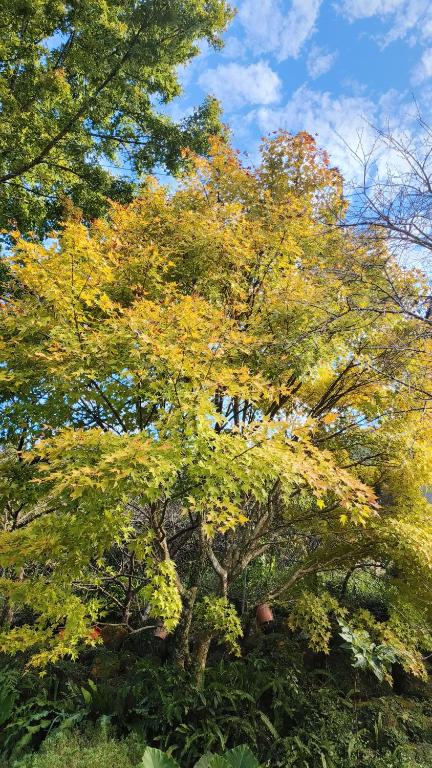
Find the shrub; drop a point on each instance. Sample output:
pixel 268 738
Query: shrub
pixel 81 750
pixel 97 748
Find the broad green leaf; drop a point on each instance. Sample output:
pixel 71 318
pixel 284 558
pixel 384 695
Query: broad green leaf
pixel 205 761
pixel 155 758
pixel 241 757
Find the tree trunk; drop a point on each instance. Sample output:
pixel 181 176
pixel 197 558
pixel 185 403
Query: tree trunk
pixel 201 654
pixel 181 649
pixel 182 636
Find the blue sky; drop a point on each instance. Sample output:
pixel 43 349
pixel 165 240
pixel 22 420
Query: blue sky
pixel 335 69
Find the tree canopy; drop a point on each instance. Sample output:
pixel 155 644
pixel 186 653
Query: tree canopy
pixel 82 86
pixel 199 381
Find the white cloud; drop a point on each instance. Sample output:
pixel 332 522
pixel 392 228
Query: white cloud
pixel 405 17
pixel 337 122
pixel 424 69
pixel 343 125
pixel 187 72
pixel 319 61
pixel 233 48
pixel 237 85
pixel 363 9
pixel 277 27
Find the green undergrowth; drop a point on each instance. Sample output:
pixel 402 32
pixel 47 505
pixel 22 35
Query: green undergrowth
pixel 291 708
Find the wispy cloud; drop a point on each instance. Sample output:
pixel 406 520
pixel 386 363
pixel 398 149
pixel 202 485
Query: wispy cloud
pixel 344 125
pixel 237 85
pixel 276 27
pixel 423 71
pixel 234 48
pixel 405 17
pixel 338 122
pixel 319 61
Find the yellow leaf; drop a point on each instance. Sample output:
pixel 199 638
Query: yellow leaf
pixel 329 418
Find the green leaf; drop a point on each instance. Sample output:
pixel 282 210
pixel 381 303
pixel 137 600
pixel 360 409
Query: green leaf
pixel 205 761
pixel 241 757
pixel 86 695
pixel 7 700
pixel 351 746
pixel 218 761
pixel 155 758
pixel 269 724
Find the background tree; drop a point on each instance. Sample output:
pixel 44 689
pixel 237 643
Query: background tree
pixel 394 201
pixel 199 383
pixel 81 84
pixel 395 193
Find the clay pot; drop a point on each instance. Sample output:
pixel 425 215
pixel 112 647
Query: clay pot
pixel 95 633
pixel 161 632
pixel 264 614
pixel 113 635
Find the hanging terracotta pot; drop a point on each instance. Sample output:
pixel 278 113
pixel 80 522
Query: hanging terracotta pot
pixel 161 632
pixel 264 614
pixel 113 635
pixel 94 633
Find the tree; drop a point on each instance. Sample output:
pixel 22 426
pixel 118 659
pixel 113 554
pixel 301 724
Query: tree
pixel 195 384
pixel 396 187
pixel 80 86
pixel 393 201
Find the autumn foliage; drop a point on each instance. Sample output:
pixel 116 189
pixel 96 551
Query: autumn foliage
pixel 212 374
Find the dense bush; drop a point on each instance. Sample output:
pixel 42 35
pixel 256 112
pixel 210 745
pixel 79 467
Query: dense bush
pixel 80 750
pixel 76 750
pixel 292 708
